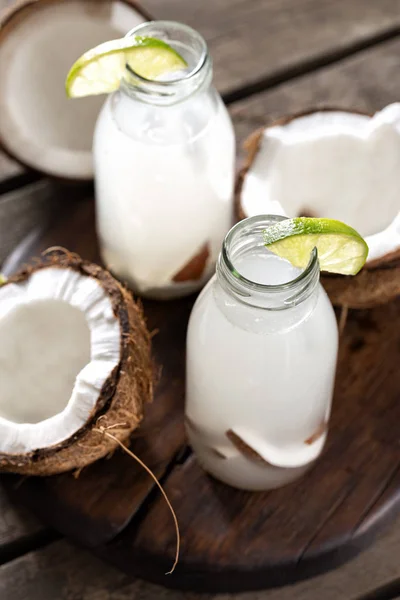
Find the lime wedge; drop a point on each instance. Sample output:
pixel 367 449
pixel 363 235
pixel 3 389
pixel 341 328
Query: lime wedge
pixel 340 248
pixel 100 70
pixel 3 279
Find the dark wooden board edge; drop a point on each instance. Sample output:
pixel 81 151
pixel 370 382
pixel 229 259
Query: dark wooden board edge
pixel 125 553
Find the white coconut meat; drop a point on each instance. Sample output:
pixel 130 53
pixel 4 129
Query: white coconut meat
pixel 336 165
pixel 60 341
pixel 39 125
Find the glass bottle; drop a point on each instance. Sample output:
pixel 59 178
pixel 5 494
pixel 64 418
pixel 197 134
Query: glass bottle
pixel 164 156
pixel 261 359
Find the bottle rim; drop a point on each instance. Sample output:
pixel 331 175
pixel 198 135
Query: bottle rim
pixel 165 26
pixel 249 231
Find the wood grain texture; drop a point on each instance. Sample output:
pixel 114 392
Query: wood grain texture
pixel 23 210
pixel 252 41
pixel 63 571
pixel 367 82
pixel 9 168
pixel 288 534
pixel 316 522
pixel 15 522
pixel 98 504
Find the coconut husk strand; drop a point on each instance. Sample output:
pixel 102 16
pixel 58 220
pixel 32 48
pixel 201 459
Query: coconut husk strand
pixel 378 282
pixel 120 402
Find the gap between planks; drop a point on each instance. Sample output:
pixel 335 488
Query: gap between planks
pixel 26 544
pixel 377 499
pixel 390 591
pixel 270 81
pixel 180 458
pixel 342 500
pixel 45 537
pixel 309 65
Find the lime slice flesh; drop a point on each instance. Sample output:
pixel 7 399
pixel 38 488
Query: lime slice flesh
pixel 100 70
pixel 340 248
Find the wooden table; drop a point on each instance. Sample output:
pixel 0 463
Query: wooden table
pixel 272 57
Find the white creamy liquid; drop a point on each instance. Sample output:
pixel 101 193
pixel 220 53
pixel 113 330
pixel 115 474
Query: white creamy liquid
pixel 164 187
pixel 265 375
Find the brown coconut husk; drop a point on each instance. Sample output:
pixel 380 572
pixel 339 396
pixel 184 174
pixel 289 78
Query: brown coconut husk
pixel 121 402
pixel 367 289
pixel 195 268
pixel 245 449
pixel 378 282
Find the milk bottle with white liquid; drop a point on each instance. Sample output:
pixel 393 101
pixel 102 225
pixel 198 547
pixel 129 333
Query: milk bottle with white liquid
pixel 164 166
pixel 261 359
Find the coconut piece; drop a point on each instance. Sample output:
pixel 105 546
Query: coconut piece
pixel 195 268
pixel 245 449
pixel 75 361
pixel 334 164
pixel 318 433
pixel 39 41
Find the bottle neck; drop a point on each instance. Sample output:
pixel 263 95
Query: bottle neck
pixel 177 86
pixel 249 302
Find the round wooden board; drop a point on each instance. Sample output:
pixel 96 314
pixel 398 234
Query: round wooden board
pixel 231 540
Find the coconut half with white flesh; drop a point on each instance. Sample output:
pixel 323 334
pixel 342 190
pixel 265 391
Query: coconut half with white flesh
pixel 340 165
pixel 39 41
pixel 74 361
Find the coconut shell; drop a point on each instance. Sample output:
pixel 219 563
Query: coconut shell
pixel 378 282
pixel 195 268
pixel 245 449
pixel 367 289
pixel 124 395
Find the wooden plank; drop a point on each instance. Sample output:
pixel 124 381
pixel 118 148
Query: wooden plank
pixel 96 506
pixel 9 168
pixel 365 82
pixel 63 571
pixel 15 522
pixel 253 41
pixel 23 210
pixel 313 524
pixel 257 40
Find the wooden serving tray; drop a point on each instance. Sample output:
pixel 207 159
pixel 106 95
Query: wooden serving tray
pixel 231 540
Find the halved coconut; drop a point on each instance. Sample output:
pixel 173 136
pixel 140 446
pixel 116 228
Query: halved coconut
pixel 39 41
pixel 74 360
pixel 334 164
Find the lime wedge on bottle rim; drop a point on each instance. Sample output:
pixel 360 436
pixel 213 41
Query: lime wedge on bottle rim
pixel 100 70
pixel 341 249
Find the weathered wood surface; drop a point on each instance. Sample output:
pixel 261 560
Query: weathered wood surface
pixel 289 534
pixel 261 40
pixel 23 210
pixel 94 507
pixel 9 168
pixel 316 522
pixel 367 82
pixel 15 522
pixel 63 571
